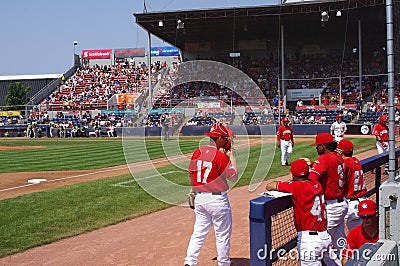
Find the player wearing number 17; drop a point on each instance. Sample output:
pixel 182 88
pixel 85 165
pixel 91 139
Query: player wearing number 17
pixel 313 239
pixel 209 169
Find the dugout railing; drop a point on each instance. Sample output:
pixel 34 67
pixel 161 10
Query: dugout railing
pixel 273 238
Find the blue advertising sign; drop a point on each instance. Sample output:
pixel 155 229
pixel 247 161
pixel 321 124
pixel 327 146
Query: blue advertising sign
pixel 164 51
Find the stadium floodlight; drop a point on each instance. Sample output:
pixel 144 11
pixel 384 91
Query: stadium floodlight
pixel 180 25
pixel 324 16
pixel 75 44
pixel 160 23
pixel 338 13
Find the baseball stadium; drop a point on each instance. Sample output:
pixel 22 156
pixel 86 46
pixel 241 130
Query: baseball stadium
pixel 98 164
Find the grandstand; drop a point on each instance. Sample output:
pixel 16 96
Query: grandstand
pixel 319 60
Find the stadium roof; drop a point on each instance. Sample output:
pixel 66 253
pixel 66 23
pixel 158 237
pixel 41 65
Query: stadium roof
pixel 24 77
pixel 255 22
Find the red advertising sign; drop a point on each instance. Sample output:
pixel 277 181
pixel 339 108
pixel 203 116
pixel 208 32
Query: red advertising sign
pixel 96 54
pixel 129 52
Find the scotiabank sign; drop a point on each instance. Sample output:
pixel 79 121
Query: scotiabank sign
pixel 96 54
pixel 129 52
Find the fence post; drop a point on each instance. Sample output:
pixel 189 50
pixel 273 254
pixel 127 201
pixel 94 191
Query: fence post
pixel 378 177
pixel 260 233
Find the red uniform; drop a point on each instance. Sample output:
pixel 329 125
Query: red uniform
pixel 356 238
pixel 285 133
pixel 209 169
pixel 328 170
pixel 381 131
pixel 355 184
pixel 309 207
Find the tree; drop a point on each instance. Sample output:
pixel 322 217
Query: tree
pixel 16 96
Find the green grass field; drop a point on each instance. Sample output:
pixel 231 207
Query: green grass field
pixel 44 217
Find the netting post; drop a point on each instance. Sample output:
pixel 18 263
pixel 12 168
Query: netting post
pixel 260 233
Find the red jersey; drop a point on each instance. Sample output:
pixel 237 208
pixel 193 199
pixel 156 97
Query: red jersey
pixel 353 173
pixel 356 238
pixel 285 133
pixel 209 169
pixel 381 131
pixel 328 170
pixel 309 207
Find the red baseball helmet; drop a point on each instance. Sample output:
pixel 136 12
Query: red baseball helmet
pixel 218 131
pixel 383 118
pixel 285 119
pixel 339 116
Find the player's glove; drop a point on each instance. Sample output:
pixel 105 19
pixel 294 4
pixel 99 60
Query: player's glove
pixel 191 196
pixel 384 144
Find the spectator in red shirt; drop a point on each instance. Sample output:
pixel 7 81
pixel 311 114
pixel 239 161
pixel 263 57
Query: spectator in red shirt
pixel 367 232
pixel 313 101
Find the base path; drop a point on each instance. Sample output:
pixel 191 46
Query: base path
pixel 159 238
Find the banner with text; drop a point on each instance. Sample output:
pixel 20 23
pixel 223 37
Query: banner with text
pixel 164 51
pixel 129 53
pixel 96 54
pixel 306 94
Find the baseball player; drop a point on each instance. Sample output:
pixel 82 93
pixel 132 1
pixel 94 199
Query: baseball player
pixel 313 239
pixel 209 170
pixel 328 170
pixel 338 128
pixel 51 129
pixel 367 232
pixel 354 182
pixel 284 138
pixel 381 132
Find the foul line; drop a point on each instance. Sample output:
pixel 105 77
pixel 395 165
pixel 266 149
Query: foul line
pixel 168 159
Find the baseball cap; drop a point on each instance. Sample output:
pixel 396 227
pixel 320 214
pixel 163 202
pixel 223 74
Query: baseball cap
pixel 345 145
pixel 299 168
pixel 323 138
pixel 366 207
pixel 383 118
pixel 218 131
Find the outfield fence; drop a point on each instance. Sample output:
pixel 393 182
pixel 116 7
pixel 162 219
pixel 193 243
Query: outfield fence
pixel 273 236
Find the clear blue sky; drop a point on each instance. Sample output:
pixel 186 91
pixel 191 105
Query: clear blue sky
pixel 37 35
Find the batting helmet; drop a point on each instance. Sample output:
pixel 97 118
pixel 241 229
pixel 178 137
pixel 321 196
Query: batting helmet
pixel 285 119
pixel 218 131
pixel 383 118
pixel 339 116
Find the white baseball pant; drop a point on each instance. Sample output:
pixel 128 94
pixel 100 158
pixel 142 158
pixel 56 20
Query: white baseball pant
pixel 335 212
pixel 352 218
pixel 312 247
pixel 382 149
pixel 211 210
pixel 286 150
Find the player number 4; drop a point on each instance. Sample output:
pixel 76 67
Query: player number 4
pixel 200 165
pixel 316 209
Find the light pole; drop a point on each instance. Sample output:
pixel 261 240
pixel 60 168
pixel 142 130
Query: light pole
pixel 75 59
pixel 75 44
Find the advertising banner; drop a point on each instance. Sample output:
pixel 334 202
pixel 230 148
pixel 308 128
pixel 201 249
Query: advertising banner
pixel 96 54
pixel 127 98
pixel 10 113
pixel 164 51
pixel 129 53
pixel 307 94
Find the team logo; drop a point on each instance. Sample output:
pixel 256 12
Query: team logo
pixel 364 130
